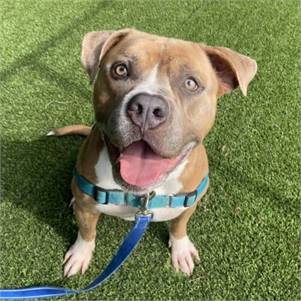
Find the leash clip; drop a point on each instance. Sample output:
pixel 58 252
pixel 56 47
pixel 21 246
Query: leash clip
pixel 144 206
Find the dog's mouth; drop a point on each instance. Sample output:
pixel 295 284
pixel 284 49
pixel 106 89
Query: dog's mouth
pixel 140 166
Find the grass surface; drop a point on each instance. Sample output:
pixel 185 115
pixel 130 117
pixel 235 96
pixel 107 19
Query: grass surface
pixel 247 230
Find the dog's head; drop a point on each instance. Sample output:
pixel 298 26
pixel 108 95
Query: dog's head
pixel 155 98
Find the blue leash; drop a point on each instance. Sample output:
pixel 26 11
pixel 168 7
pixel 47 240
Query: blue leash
pixel 142 221
pixel 143 218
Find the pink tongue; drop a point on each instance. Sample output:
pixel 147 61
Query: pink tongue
pixel 140 166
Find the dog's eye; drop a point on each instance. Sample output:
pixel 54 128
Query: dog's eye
pixel 120 71
pixel 191 84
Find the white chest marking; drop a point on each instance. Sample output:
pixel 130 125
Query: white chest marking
pixel 172 185
pixel 103 171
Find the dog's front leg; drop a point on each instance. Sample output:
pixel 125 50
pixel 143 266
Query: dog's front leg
pixel 183 252
pixel 80 253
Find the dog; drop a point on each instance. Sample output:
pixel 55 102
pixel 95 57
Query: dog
pixel 155 100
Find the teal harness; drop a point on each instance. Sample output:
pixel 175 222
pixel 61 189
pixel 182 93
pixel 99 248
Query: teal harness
pixel 118 197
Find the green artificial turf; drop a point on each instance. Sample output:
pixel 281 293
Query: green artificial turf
pixel 246 230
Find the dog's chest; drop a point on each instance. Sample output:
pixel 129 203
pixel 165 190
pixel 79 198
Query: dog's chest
pixel 128 213
pixel 172 185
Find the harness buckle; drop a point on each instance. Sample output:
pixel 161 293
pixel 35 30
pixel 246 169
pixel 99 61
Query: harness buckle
pixel 144 206
pixel 187 197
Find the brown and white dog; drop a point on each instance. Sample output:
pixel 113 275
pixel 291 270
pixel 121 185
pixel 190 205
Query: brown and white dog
pixel 155 100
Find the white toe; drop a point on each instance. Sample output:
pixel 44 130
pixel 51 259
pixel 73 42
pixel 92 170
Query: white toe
pixel 183 253
pixel 78 257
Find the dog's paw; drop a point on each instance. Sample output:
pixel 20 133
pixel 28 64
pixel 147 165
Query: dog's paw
pixel 183 254
pixel 78 257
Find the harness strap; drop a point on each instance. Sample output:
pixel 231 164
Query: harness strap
pixel 126 248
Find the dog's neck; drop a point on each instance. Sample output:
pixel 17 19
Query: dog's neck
pixel 94 164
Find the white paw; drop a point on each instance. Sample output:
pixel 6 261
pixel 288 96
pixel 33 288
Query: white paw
pixel 78 256
pixel 183 253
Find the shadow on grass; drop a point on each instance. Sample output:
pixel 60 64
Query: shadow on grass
pixel 36 176
pixel 63 82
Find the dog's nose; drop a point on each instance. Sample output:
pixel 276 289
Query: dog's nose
pixel 147 111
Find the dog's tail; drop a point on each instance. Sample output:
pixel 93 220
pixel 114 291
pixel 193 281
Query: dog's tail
pixel 76 129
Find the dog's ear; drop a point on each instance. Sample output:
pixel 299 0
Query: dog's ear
pixel 94 47
pixel 233 69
